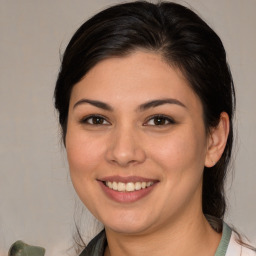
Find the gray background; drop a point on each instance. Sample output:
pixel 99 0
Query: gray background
pixel 36 196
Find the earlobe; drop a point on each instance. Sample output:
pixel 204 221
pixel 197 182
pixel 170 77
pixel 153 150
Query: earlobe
pixel 217 141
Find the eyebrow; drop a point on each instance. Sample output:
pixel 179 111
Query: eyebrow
pixel 142 107
pixel 96 103
pixel 159 102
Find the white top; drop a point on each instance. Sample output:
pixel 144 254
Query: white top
pixel 230 246
pixel 235 249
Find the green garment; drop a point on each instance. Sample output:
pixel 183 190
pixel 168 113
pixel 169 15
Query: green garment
pixel 97 246
pixel 19 248
pixel 224 242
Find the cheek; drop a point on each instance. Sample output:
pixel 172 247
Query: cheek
pixel 83 153
pixel 84 157
pixel 181 152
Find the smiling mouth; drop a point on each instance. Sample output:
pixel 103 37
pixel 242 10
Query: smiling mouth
pixel 129 186
pixel 127 189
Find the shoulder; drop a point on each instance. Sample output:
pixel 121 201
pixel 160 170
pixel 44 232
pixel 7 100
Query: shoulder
pixel 239 246
pixel 97 245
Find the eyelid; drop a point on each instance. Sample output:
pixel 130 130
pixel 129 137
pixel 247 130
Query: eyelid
pixel 168 118
pixel 85 119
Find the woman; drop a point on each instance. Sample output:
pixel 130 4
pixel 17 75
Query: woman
pixel 146 100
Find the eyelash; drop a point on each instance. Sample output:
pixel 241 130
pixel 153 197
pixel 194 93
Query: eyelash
pixel 161 118
pixel 103 121
pixel 99 117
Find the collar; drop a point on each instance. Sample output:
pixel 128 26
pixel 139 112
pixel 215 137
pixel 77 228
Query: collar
pixel 227 246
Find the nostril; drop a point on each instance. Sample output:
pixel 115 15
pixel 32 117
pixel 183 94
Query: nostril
pixel 124 149
pixel 123 162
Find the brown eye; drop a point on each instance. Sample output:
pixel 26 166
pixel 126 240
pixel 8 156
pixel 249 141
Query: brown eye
pixel 95 120
pixel 159 121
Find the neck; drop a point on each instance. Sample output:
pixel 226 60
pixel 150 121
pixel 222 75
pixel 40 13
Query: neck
pixel 182 237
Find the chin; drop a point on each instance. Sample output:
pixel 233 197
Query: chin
pixel 128 228
pixel 128 223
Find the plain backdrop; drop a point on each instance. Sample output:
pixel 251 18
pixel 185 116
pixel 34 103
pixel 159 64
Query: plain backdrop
pixel 37 201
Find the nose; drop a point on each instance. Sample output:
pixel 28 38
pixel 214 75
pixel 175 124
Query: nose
pixel 125 148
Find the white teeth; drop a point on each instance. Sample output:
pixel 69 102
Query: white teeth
pixel 138 185
pixel 121 186
pixel 149 184
pixel 109 184
pixel 114 185
pixel 129 187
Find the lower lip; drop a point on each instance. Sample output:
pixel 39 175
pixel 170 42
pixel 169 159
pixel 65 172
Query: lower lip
pixel 126 197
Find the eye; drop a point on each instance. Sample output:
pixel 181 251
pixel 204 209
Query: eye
pixel 95 120
pixel 159 120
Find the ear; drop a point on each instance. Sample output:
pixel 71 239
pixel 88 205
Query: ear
pixel 217 140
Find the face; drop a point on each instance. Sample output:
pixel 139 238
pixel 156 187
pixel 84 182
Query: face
pixel 136 144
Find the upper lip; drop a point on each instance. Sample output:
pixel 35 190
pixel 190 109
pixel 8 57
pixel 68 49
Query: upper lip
pixel 126 179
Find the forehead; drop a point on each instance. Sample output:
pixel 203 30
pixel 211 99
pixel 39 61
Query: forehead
pixel 136 78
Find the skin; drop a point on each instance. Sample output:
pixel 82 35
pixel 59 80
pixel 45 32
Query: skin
pixel 128 142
